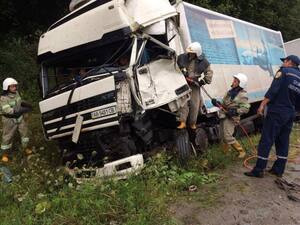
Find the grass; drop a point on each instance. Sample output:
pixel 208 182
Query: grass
pixel 142 199
pixel 43 194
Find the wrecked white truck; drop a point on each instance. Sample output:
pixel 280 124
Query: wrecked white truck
pixel 110 83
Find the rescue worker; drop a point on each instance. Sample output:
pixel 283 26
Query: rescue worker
pixel 12 110
pixel 280 99
pixel 234 104
pixel 193 64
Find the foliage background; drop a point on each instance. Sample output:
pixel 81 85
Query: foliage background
pixel 22 22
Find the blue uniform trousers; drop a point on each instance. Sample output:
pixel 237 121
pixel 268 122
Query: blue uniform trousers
pixel 276 129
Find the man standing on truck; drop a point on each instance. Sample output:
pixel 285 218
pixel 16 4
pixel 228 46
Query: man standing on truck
pixel 234 104
pixel 12 110
pixel 281 99
pixel 193 64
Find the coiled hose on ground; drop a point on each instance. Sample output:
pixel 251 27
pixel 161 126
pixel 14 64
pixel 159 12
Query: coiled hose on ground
pixel 293 155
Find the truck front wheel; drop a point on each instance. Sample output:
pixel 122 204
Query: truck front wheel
pixel 182 146
pixel 201 140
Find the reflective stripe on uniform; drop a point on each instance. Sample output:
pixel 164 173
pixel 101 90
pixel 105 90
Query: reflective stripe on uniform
pixel 263 158
pixel 5 106
pixel 245 105
pixel 18 120
pixel 6 147
pixel 281 157
pixel 12 102
pixel 293 75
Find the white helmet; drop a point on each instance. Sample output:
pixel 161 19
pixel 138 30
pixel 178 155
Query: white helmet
pixel 194 47
pixel 242 78
pixel 7 82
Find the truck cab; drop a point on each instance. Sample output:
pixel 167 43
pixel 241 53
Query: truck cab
pixel 109 74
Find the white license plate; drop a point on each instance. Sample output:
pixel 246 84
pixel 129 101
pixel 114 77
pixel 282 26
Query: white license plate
pixel 104 112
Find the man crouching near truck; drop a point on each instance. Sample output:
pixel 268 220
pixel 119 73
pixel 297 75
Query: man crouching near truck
pixel 193 64
pixel 234 104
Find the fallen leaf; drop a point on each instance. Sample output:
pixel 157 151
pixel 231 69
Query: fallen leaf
pixel 41 207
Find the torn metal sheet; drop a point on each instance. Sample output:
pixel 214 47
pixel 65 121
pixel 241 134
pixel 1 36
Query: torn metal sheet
pixel 119 169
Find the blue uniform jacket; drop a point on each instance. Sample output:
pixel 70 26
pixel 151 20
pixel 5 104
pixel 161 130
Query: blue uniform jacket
pixel 284 93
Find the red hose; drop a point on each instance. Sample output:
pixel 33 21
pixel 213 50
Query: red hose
pixel 254 152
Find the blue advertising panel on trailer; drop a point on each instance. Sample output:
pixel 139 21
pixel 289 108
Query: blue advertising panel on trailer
pixel 231 46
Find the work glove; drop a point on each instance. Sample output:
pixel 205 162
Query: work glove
pixel 185 72
pixel 26 105
pixel 201 82
pixel 232 112
pixel 215 102
pixel 192 81
pixel 19 112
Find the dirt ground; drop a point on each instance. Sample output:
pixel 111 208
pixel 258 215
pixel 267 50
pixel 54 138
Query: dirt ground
pixel 243 201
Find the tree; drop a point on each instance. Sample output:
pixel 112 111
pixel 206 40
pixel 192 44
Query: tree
pixel 25 18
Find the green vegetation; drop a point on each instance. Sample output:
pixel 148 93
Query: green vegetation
pixel 55 199
pixel 42 193
pixel 18 60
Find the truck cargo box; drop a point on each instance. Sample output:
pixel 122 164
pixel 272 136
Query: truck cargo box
pixel 232 46
pixel 292 47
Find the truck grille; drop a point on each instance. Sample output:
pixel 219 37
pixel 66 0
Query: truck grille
pixel 61 121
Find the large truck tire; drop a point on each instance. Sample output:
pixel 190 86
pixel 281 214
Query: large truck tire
pixel 201 141
pixel 182 146
pixel 127 147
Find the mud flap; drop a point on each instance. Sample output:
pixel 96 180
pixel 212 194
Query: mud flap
pixel 182 145
pixel 77 129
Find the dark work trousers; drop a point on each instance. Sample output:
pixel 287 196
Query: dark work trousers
pixel 276 129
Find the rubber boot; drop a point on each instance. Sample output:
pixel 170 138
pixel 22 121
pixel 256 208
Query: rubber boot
pixel 28 151
pixel 253 173
pixel 193 127
pixel 225 147
pixel 240 149
pixel 182 125
pixel 5 158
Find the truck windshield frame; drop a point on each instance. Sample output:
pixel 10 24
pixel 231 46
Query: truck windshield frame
pixel 57 77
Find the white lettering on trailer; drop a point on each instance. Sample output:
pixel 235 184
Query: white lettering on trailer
pixel 220 29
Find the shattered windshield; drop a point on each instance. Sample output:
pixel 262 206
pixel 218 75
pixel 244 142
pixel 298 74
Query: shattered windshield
pixel 61 75
pixel 68 71
pixel 152 51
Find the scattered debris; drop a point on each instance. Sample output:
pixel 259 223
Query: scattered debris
pixel 292 189
pixel 6 175
pixel 119 169
pixel 193 188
